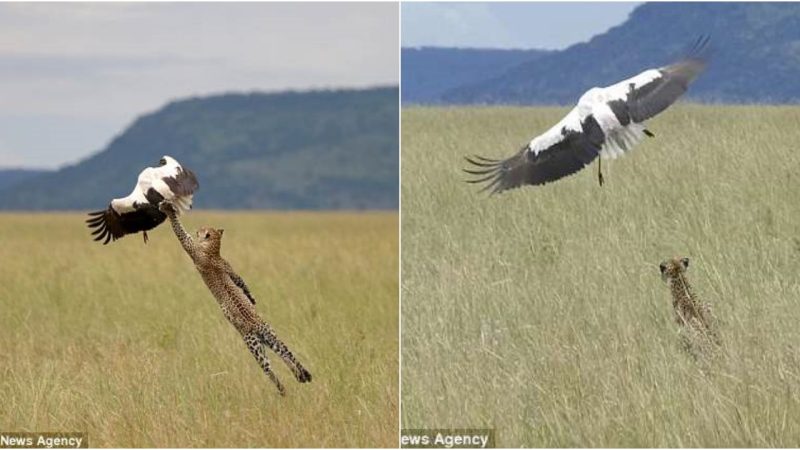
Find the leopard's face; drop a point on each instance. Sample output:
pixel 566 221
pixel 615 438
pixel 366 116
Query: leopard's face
pixel 209 238
pixel 672 268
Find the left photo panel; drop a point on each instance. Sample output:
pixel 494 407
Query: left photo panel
pixel 199 224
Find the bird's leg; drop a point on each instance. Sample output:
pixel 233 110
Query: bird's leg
pixel 600 170
pixel 144 233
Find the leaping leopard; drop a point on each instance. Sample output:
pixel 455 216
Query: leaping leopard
pixel 234 297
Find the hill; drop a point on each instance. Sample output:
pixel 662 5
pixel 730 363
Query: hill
pixel 756 56
pixel 10 177
pixel 429 72
pixel 295 150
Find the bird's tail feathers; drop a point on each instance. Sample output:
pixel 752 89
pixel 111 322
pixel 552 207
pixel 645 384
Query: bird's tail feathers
pixel 182 203
pixel 623 140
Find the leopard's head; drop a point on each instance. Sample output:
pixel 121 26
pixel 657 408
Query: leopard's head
pixel 209 240
pixel 673 268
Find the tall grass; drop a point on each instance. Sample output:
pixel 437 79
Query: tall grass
pixel 125 342
pixel 541 312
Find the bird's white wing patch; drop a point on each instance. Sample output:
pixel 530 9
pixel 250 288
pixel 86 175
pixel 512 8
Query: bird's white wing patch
pixel 605 117
pixel 170 170
pixel 143 183
pixel 619 139
pixel 183 202
pixel 619 91
pixel 553 136
pixel 145 180
pixel 125 204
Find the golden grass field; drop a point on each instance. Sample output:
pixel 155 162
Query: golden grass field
pixel 541 312
pixel 125 342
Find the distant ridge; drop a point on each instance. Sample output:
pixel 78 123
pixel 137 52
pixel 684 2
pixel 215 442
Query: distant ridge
pixel 429 72
pixel 335 149
pixel 10 177
pixel 756 57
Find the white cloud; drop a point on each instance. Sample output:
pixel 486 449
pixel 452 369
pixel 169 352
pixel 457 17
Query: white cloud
pixel 9 157
pixel 543 25
pixel 453 25
pixel 114 61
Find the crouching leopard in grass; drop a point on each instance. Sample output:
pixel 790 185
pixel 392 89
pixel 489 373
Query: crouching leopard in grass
pixel 234 297
pixel 696 323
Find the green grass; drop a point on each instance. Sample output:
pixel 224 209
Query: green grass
pixel 541 312
pixel 126 343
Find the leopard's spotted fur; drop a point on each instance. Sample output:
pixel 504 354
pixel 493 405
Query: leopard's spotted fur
pixel 698 330
pixel 234 298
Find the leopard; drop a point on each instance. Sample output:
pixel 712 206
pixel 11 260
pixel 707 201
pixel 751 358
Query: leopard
pixel 234 297
pixel 697 325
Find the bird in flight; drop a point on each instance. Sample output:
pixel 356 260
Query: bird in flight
pixel 139 210
pixel 606 122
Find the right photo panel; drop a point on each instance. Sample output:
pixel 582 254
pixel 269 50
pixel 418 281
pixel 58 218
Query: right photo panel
pixel 600 224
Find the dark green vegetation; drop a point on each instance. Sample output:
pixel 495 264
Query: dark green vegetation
pixel 755 57
pixel 541 311
pixel 10 177
pixel 309 150
pixel 429 72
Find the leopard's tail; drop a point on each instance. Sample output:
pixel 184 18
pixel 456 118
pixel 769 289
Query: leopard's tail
pixel 268 338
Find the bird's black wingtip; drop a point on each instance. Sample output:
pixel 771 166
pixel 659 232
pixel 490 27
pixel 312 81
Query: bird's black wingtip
pixel 486 170
pixel 95 214
pixel 700 49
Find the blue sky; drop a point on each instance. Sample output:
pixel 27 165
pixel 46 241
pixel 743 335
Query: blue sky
pixel 76 74
pixel 545 25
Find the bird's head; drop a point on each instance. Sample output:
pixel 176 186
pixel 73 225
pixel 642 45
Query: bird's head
pixel 673 268
pixel 167 160
pixel 209 239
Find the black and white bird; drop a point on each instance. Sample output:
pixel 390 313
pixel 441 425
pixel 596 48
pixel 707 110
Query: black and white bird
pixel 606 122
pixel 139 210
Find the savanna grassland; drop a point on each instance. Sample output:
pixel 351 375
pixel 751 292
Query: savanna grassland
pixel 126 343
pixel 541 312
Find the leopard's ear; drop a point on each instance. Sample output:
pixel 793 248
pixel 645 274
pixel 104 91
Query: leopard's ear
pixel 685 263
pixel 663 267
pixel 221 231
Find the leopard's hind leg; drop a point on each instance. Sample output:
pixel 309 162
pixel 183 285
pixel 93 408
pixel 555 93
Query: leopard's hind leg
pixel 269 339
pixel 254 345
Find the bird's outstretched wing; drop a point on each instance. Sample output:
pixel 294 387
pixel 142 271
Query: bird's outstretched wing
pixel 182 183
pixel 651 98
pixel 105 224
pixel 110 225
pixel 563 150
